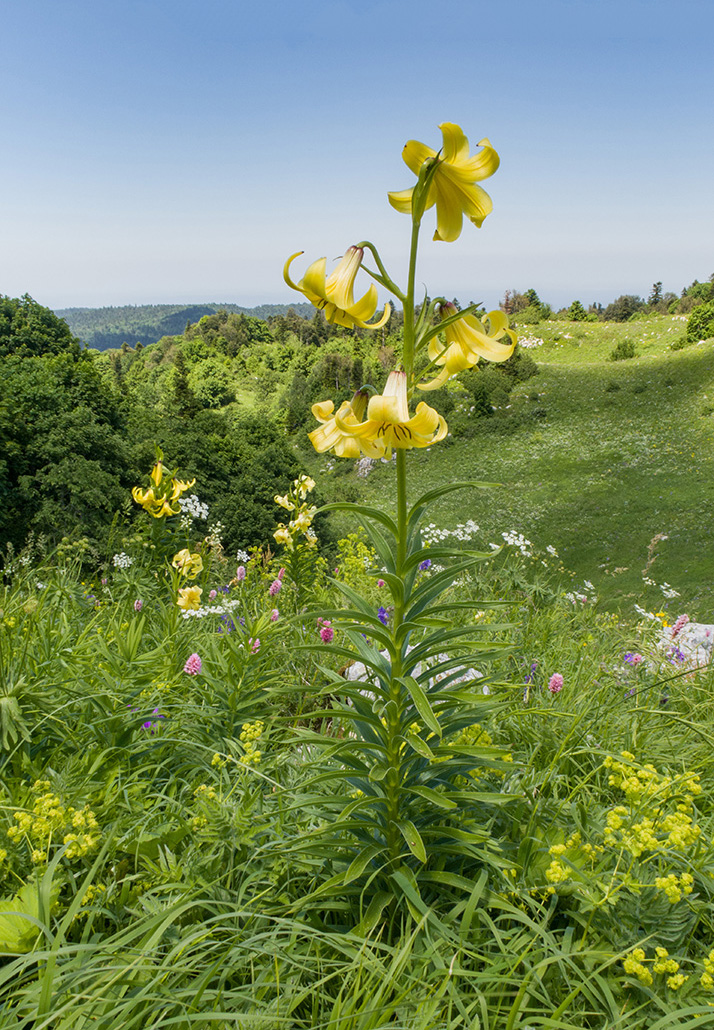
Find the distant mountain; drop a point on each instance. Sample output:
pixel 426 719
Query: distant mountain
pixel 103 328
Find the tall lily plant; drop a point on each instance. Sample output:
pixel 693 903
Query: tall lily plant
pixel 416 808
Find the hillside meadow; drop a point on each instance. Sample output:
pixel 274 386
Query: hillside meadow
pixel 594 457
pixel 269 766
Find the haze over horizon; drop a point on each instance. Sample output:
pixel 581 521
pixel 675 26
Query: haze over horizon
pixel 178 152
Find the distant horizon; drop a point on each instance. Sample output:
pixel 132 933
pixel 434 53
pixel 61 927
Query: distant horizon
pixel 565 299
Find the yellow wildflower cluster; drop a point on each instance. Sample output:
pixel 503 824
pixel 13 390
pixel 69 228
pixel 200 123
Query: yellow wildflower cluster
pixel 634 966
pixel 662 965
pixel 301 523
pixel 707 978
pixel 644 825
pixel 249 738
pixel 574 847
pixel 49 822
pixel 674 887
pixel 164 490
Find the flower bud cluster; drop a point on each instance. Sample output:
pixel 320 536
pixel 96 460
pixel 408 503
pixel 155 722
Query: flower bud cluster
pixel 250 738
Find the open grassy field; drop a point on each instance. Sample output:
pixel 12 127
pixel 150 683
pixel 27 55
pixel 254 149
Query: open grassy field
pixel 596 458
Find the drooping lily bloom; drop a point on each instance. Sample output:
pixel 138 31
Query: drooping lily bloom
pixel 188 564
pixel 388 424
pixel 335 294
pixel 159 499
pixel 466 341
pixel 156 506
pixel 453 185
pixel 341 441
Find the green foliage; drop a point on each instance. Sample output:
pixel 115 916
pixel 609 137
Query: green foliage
pixel 577 313
pixel 104 328
pixel 623 350
pixel 211 383
pixel 623 308
pixel 700 325
pixel 27 329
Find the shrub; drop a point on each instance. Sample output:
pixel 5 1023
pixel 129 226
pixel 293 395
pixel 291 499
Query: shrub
pixel 623 350
pixel 701 322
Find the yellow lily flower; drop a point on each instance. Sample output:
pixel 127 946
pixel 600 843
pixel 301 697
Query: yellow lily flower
pixel 180 486
pixel 466 341
pixel 340 440
pixel 155 506
pixel 453 185
pixel 157 473
pixel 189 598
pixel 188 564
pixel 388 424
pixel 282 535
pixel 335 294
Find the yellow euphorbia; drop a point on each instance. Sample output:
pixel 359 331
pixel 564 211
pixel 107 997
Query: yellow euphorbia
pixel 188 564
pixel 189 597
pixel 453 184
pixel 387 426
pixel 466 341
pixel 335 294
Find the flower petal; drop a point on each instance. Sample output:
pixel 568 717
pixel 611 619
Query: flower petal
pixel 401 200
pixel 416 153
pixel 312 283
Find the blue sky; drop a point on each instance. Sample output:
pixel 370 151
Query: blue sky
pixel 161 152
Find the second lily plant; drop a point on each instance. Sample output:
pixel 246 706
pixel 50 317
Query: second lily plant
pixel 416 811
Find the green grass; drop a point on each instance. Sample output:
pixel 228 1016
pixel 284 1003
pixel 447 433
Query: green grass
pixel 595 458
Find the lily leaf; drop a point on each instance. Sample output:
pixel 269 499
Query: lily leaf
pixel 421 703
pixel 358 866
pixel 413 840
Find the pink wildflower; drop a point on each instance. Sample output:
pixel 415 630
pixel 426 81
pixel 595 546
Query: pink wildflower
pixel 679 625
pixel 213 595
pixel 138 605
pixel 193 665
pixel 274 615
pixel 327 633
pixel 281 574
pixel 555 683
pixel 254 645
pixel 275 587
pixel 380 582
pixel 240 573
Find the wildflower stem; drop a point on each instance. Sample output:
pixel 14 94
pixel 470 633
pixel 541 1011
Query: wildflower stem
pixel 408 348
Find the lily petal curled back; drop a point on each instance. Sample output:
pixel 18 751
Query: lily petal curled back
pixel 453 184
pixel 335 294
pixel 466 341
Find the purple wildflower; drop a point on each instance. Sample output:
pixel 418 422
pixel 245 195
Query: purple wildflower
pixel 383 615
pixel 425 565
